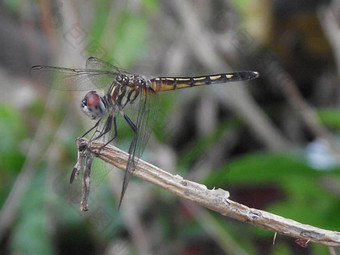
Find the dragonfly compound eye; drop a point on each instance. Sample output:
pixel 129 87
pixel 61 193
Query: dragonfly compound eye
pixel 93 105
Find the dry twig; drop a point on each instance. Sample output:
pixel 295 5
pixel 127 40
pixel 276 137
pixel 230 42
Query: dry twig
pixel 215 199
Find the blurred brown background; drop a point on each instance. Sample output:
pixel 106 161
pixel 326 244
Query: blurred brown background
pixel 272 142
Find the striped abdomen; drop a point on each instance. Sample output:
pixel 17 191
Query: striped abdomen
pixel 160 84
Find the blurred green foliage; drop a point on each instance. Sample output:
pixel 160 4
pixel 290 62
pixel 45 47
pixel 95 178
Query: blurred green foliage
pixel 126 41
pixel 329 117
pixel 12 132
pixel 307 197
pixel 241 4
pixel 203 144
pixel 12 5
pixel 29 233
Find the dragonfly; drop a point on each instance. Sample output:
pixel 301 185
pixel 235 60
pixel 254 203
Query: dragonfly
pixel 131 96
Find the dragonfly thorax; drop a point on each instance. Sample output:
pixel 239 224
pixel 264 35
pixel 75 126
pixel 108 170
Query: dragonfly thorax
pixel 124 90
pixel 122 79
pixel 131 80
pixel 93 105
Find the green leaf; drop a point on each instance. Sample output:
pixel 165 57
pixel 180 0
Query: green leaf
pixel 261 167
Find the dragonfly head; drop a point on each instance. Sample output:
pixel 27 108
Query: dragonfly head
pixel 93 105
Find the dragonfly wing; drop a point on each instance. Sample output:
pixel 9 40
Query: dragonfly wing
pixel 146 109
pixel 71 79
pixel 99 64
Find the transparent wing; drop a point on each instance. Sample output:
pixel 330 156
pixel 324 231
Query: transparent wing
pixel 99 64
pixel 72 79
pixel 143 113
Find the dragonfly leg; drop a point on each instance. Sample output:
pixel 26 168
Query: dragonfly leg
pixel 115 135
pixel 130 160
pixel 131 124
pixel 95 125
pixel 107 127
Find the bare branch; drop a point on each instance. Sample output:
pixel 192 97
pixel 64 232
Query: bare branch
pixel 330 23
pixel 215 199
